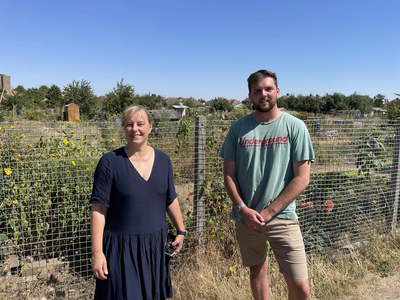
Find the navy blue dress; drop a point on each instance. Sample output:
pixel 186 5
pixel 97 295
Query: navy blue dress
pixel 136 227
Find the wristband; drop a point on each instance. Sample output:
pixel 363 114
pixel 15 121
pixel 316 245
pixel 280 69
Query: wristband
pixel 182 233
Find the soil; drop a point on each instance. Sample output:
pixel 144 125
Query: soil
pixel 376 287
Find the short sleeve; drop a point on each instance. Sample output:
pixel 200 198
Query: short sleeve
pixel 102 182
pixel 171 193
pixel 302 147
pixel 228 149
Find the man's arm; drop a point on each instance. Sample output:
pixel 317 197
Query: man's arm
pixel 295 187
pixel 251 217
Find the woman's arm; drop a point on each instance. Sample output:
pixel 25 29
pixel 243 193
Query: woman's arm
pixel 175 214
pixel 98 220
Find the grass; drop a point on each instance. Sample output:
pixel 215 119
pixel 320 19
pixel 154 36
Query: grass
pixel 215 271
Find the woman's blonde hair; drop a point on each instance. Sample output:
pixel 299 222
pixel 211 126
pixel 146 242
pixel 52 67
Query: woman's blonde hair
pixel 133 109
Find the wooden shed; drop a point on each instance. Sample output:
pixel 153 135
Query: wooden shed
pixel 71 112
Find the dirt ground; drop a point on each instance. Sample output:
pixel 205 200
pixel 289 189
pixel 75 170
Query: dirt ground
pixel 376 287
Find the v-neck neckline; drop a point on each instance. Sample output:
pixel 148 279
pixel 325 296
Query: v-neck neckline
pixel 133 166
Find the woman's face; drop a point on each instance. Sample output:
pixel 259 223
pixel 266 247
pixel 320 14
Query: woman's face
pixel 137 128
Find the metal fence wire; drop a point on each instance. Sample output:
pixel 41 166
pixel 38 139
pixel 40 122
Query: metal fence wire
pixel 46 176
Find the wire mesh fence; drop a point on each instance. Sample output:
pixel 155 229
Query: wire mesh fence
pixel 47 173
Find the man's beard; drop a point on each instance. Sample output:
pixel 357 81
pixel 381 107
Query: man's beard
pixel 267 108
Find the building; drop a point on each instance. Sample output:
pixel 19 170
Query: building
pixel 5 83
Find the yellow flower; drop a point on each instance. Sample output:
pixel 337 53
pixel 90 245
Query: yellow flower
pixel 6 199
pixel 65 142
pixel 72 162
pixel 22 185
pixel 30 145
pixel 12 127
pixel 113 140
pixel 87 168
pixel 36 184
pixel 72 144
pixel 7 171
pixel 15 187
pixel 15 202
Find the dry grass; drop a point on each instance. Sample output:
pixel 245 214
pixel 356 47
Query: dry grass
pixel 215 272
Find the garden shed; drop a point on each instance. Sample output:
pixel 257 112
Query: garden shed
pixel 71 112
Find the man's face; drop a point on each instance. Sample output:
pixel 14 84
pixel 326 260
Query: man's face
pixel 263 94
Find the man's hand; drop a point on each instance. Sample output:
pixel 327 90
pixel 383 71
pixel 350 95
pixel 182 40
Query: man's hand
pixel 252 218
pixel 267 214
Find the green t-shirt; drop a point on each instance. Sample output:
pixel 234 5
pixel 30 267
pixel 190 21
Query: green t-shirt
pixel 264 153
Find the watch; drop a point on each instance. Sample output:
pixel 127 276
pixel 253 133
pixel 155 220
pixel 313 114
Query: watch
pixel 181 232
pixel 239 207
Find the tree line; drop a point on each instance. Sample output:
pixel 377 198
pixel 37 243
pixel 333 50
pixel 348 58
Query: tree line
pixel 80 93
pixel 336 101
pixel 123 95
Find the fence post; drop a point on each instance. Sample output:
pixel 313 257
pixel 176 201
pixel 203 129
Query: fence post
pixel 393 205
pixel 199 174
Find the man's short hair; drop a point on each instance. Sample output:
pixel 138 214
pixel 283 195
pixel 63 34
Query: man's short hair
pixel 259 75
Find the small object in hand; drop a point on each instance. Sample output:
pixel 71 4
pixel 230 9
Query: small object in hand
pixel 169 250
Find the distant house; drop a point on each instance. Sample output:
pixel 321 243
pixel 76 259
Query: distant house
pixel 246 101
pixel 377 111
pixel 181 110
pixel 173 100
pixel 159 114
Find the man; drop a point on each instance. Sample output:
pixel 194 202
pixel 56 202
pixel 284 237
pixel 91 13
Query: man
pixel 267 159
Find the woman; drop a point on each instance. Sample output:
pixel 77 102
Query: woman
pixel 133 187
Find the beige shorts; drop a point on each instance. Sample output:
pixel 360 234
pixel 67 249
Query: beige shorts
pixel 285 239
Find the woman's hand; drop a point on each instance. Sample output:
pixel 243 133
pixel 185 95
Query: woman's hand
pixel 178 243
pixel 99 266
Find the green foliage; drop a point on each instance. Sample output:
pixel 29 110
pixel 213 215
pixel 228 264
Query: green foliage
pixel 218 204
pixel 54 97
pixel 223 105
pixel 379 100
pixel 120 98
pixel 43 183
pixel 189 103
pixel 370 155
pixel 81 93
pixel 393 109
pixel 151 101
pixel 360 102
pixel 182 134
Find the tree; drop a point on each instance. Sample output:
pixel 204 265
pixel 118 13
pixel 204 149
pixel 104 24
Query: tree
pixel 35 98
pixel 120 98
pixel 334 101
pixel 14 102
pixel 393 109
pixel 360 102
pixel 151 101
pixel 19 89
pixel 222 105
pixel 81 93
pixel 189 103
pixel 379 100
pixel 54 97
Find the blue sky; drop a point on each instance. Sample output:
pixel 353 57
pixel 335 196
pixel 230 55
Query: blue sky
pixel 204 49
